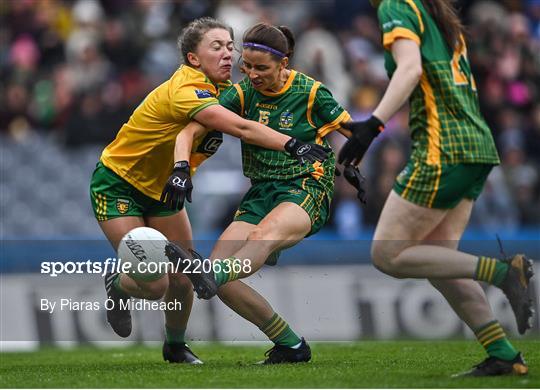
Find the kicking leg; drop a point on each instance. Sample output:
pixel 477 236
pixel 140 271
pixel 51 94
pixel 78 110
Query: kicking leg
pixel 283 227
pixel 252 306
pixel 237 295
pixel 248 303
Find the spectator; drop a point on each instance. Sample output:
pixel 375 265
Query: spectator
pixel 77 68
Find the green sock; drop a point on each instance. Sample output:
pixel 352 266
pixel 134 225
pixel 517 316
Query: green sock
pixel 226 270
pixel 279 332
pixel 491 270
pixel 494 341
pixel 175 336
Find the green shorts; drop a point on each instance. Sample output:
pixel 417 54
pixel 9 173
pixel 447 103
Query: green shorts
pixel 441 187
pixel 264 196
pixel 113 197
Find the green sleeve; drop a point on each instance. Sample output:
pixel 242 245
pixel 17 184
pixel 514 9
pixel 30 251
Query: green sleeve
pixel 400 19
pixel 230 99
pixel 325 108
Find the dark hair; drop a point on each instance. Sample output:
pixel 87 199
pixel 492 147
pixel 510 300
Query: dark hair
pixel 193 33
pixel 445 15
pixel 279 38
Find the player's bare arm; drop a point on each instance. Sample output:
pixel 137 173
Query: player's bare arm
pixel 406 53
pixel 184 140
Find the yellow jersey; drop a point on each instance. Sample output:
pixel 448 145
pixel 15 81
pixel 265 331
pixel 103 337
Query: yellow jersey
pixel 143 151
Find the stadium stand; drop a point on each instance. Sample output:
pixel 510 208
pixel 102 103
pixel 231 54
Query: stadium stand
pixel 72 71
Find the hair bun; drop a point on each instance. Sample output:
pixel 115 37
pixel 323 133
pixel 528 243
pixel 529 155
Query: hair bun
pixel 290 39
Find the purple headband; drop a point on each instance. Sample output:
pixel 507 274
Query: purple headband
pixel 265 48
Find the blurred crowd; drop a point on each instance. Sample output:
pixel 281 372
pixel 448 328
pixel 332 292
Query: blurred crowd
pixel 75 70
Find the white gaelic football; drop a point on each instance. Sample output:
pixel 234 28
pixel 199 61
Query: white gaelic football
pixel 144 245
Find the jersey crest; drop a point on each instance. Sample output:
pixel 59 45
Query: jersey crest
pixel 286 120
pixel 122 205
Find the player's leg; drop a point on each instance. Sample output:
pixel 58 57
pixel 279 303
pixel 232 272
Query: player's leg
pixel 119 207
pixel 465 296
pixel 468 300
pixel 238 296
pixel 408 258
pixel 252 306
pixel 232 239
pixel 396 250
pixel 119 287
pixel 248 303
pixel 176 228
pixel 283 227
pixel 427 191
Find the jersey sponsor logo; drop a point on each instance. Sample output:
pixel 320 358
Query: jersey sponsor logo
pixel 267 106
pixel 334 110
pixel 122 205
pixel 286 120
pixel 391 24
pixel 203 93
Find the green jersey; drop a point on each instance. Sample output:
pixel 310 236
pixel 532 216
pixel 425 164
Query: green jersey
pixel 304 109
pixel 445 120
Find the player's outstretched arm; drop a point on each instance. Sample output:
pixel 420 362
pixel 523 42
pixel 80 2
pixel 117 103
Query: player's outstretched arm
pixel 220 118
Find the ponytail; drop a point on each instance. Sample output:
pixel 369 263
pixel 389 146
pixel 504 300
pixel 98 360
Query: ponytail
pixel 290 40
pixel 445 15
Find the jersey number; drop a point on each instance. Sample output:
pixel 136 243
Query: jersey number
pixel 264 117
pixel 460 78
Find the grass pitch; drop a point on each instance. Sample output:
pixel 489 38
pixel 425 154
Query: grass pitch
pixel 379 364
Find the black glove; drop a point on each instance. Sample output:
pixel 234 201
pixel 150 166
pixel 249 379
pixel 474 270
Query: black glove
pixel 363 133
pixel 178 187
pixel 196 254
pixel 355 178
pixel 305 152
